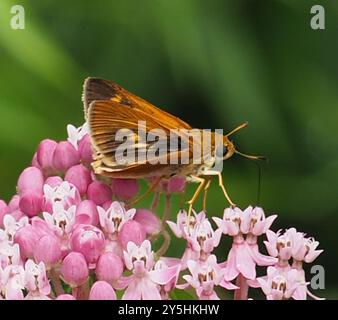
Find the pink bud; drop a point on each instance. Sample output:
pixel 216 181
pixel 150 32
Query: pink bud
pixel 176 184
pixel 45 154
pixel 14 203
pixel 54 181
pixel 35 162
pixel 86 213
pixel 3 211
pixel 99 192
pixel 148 220
pixel 65 297
pixel 101 290
pixel 109 267
pixel 125 188
pixel 88 240
pixel 74 269
pixel 48 250
pixel 31 179
pixel 31 203
pixel 80 177
pixel 27 238
pixel 65 156
pixel 85 150
pixel 131 231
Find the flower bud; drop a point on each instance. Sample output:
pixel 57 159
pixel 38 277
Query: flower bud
pixel 48 250
pixel 31 203
pixel 85 150
pixel 74 269
pixel 89 241
pixel 80 177
pixel 31 179
pixel 148 220
pixel 109 267
pixel 86 213
pixel 27 238
pixel 176 184
pixel 99 192
pixel 131 231
pixel 45 154
pixel 102 290
pixel 65 156
pixel 54 181
pixel 35 162
pixel 14 203
pixel 125 188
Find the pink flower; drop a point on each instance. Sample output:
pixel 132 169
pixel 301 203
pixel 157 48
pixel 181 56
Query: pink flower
pixel 36 280
pixel 125 189
pixel 74 269
pixel 144 282
pixel 61 221
pixel 204 239
pixel 9 254
pixel 131 231
pixel 182 228
pixel 85 150
pixel 205 275
pixel 109 267
pixel 164 266
pixel 45 154
pixel 27 238
pixel 65 156
pixel 148 220
pixel 86 213
pixel 31 179
pixel 176 184
pixel 279 246
pixel 54 181
pixel 279 285
pixel 65 193
pixel 102 290
pixel 11 226
pixel 89 241
pixel 12 282
pixel 304 249
pixel 31 203
pixel 244 254
pixel 80 177
pixel 48 250
pixel 112 219
pixel 99 192
pixel 75 135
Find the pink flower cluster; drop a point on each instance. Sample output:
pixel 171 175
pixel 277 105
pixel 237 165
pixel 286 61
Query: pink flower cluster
pixel 67 234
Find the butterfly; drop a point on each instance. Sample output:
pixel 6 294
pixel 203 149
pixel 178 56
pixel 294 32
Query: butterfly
pixel 116 116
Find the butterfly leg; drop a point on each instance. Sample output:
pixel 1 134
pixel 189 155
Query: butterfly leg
pixel 150 189
pixel 206 190
pixel 196 194
pixel 221 184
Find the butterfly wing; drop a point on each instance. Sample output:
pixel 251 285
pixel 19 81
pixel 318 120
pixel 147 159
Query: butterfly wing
pixel 100 89
pixel 112 123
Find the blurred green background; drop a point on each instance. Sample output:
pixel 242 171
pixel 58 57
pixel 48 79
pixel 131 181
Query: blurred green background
pixel 215 64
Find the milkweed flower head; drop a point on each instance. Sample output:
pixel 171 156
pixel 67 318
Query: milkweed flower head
pixel 69 234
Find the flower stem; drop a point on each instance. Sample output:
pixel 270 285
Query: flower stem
pixel 242 292
pixel 56 281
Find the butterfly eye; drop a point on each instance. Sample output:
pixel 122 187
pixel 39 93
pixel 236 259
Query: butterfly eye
pixel 221 151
